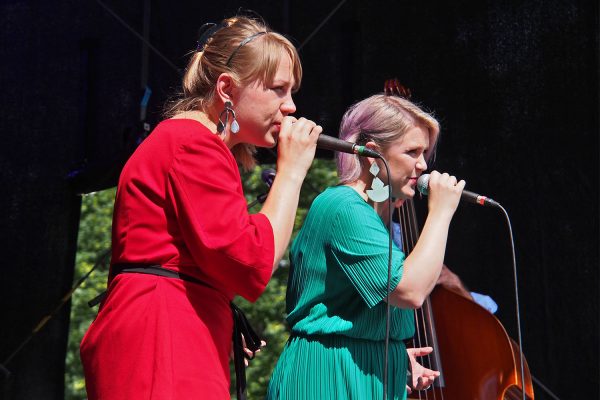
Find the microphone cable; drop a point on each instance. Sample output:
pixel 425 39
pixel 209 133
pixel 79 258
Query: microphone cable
pixel 389 280
pixel 517 307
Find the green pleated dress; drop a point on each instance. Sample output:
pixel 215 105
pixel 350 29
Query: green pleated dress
pixel 336 287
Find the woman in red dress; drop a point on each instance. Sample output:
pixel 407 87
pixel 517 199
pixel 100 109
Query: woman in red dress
pixel 183 242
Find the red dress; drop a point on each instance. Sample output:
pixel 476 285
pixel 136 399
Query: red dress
pixel 179 204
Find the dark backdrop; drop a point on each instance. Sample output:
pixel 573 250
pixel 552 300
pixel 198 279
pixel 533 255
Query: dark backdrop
pixel 514 84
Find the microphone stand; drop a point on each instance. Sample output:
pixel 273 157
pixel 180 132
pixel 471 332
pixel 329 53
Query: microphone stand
pixel 259 199
pixel 267 176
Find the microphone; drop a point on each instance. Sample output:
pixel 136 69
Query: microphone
pixel 330 143
pixel 267 176
pixel 470 197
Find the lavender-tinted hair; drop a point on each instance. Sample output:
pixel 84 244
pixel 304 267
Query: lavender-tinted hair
pixel 380 119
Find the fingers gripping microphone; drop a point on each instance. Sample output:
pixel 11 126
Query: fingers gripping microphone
pixel 330 143
pixel 470 197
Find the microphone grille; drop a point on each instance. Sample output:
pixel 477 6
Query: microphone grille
pixel 268 176
pixel 423 184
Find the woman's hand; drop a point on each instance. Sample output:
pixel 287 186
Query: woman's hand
pixel 297 143
pixel 444 193
pixel 421 377
pixel 249 354
pixel 451 281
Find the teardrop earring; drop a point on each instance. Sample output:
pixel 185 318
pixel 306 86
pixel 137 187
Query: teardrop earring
pixel 221 125
pixel 378 191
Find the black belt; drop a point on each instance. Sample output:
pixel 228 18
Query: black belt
pixel 242 331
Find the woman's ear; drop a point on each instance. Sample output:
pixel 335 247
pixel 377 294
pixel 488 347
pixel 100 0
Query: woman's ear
pixel 365 162
pixel 372 145
pixel 224 87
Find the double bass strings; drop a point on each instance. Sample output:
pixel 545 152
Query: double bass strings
pixel 424 324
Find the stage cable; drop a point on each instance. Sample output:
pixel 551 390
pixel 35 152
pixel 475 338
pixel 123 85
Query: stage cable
pixel 318 28
pixel 139 36
pixel 99 261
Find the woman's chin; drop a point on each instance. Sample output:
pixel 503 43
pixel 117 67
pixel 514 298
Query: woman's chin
pixel 406 193
pixel 269 144
pixel 270 140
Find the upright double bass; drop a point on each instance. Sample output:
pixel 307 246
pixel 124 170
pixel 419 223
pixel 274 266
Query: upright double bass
pixel 473 352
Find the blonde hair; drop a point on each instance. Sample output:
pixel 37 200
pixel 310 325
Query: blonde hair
pixel 381 119
pixel 256 59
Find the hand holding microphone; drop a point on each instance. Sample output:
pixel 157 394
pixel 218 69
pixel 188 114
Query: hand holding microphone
pixel 444 193
pixel 470 197
pixel 296 145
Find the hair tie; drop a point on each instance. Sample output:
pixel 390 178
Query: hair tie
pixel 206 32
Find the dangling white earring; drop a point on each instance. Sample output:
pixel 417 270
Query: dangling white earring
pixel 378 191
pixel 234 127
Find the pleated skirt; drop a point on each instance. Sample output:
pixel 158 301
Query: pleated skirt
pixel 338 367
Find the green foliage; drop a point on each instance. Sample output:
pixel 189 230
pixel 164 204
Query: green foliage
pixel 267 315
pixel 93 245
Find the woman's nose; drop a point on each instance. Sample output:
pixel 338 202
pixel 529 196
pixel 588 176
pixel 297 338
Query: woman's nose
pixel 421 163
pixel 288 106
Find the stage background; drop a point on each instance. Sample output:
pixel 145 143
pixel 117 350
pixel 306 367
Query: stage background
pixel 514 84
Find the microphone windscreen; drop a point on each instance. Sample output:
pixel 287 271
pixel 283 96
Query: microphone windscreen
pixel 423 184
pixel 267 176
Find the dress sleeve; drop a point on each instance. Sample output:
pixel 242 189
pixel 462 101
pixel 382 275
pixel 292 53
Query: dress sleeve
pixel 231 246
pixel 360 248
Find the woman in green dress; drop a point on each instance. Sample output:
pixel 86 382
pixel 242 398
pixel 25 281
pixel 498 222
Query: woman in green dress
pixel 337 288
